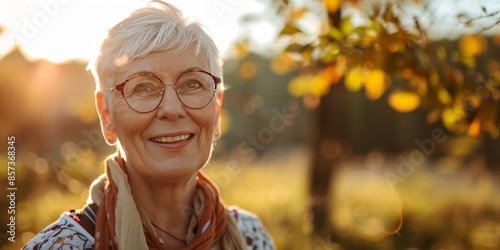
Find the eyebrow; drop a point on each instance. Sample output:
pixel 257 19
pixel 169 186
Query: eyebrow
pixel 151 73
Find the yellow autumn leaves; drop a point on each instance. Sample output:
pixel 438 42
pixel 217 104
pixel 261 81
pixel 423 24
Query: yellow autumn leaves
pixel 404 101
pixel 471 115
pixel 309 84
pixel 311 87
pixel 472 45
pixel 354 80
pixel 375 83
pixel 401 68
pixel 332 6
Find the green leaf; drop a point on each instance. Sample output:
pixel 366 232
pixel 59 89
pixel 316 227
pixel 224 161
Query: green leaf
pixel 290 29
pixel 345 26
pixel 336 34
pixel 331 53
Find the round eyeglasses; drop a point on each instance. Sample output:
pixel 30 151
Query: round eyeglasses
pixel 143 92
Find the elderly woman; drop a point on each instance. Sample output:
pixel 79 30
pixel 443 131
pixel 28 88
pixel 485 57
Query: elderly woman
pixel 159 95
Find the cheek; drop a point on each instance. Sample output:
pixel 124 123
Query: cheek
pixel 120 114
pixel 209 120
pixel 125 120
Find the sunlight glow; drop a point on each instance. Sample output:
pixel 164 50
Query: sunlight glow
pixel 61 30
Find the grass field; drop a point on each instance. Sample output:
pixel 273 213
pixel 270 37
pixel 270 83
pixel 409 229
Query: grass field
pixel 430 209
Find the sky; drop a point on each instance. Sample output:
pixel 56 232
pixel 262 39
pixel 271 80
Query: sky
pixel 59 30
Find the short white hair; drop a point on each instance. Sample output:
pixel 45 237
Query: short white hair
pixel 159 26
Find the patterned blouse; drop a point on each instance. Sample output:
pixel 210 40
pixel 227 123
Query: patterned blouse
pixel 69 233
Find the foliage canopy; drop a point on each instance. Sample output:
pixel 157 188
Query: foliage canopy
pixel 381 49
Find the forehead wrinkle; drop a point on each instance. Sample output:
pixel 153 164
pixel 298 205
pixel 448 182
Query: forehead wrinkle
pixel 161 70
pixel 165 72
pixel 168 71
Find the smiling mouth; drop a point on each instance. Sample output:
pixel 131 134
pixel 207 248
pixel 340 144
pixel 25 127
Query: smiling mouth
pixel 172 139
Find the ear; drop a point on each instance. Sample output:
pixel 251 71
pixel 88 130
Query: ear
pixel 218 108
pixel 104 116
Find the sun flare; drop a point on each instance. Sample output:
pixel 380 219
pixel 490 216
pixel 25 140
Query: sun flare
pixel 61 30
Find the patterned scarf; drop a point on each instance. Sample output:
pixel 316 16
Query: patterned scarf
pixel 123 224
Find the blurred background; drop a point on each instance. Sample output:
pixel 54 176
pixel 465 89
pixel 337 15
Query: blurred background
pixel 352 124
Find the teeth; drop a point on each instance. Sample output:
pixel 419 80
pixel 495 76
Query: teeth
pixel 171 139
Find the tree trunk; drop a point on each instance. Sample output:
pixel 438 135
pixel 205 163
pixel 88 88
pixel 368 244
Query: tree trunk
pixel 326 153
pixel 322 169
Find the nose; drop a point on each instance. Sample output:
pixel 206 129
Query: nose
pixel 170 108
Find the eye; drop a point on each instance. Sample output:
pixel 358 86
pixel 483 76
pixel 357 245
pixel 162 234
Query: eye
pixel 144 87
pixel 191 86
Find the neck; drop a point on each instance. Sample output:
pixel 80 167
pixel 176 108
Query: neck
pixel 167 203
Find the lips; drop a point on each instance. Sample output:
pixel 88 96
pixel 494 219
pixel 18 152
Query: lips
pixel 172 139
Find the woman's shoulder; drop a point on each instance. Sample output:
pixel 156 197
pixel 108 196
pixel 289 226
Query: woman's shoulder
pixel 65 233
pixel 252 229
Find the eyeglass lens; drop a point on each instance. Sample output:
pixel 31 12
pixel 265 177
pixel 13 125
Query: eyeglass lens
pixel 143 93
